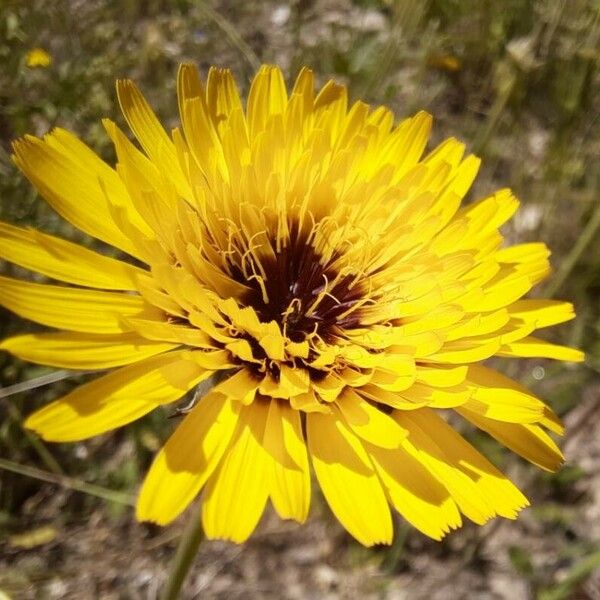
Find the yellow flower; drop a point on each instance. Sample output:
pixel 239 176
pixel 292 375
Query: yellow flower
pixel 309 255
pixel 38 57
pixel 445 62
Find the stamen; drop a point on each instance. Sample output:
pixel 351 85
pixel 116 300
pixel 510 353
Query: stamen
pixel 306 293
pixel 263 287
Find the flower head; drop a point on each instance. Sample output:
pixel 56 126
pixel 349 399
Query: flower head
pixel 38 57
pixel 306 254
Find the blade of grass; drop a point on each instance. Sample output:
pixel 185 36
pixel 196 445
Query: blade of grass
pixel 397 550
pixel 231 32
pixel 24 386
pixel 579 573
pixel 36 382
pixel 70 483
pixel 493 119
pixel 35 442
pixel 407 17
pixel 568 264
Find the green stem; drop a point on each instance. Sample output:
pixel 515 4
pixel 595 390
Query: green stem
pixel 397 550
pixel 484 135
pixel 568 264
pixel 184 557
pixel 231 33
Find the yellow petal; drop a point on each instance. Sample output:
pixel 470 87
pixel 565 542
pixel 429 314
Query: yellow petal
pixel 462 178
pixel 465 351
pixel 212 360
pixel 529 259
pixel 354 377
pixel 392 399
pixel 151 134
pixel 300 104
pixel 487 324
pixel 64 260
pixel 348 480
pixel 273 343
pixel 150 191
pixel 202 138
pixel 117 398
pixel 222 96
pixel 414 492
pixel 493 211
pixel 189 84
pixel 499 293
pixel 290 481
pixel 552 422
pixel 407 142
pixel 478 488
pixel 236 494
pixel 267 97
pixel 449 397
pixel 542 313
pixel 395 373
pixel 88 311
pixel 242 349
pixel 164 331
pixel 294 380
pixel 77 184
pixel 499 397
pixel 450 151
pixel 309 402
pixel 241 386
pixel 437 318
pixel 329 387
pixel 187 460
pixel 419 346
pixel 72 350
pixel 441 376
pixel 529 441
pixel 532 347
pixel 368 422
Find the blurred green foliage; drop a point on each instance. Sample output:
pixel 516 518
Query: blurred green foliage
pixel 517 80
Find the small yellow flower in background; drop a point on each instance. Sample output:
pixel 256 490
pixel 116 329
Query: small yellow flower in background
pixel 309 253
pixel 445 62
pixel 38 57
